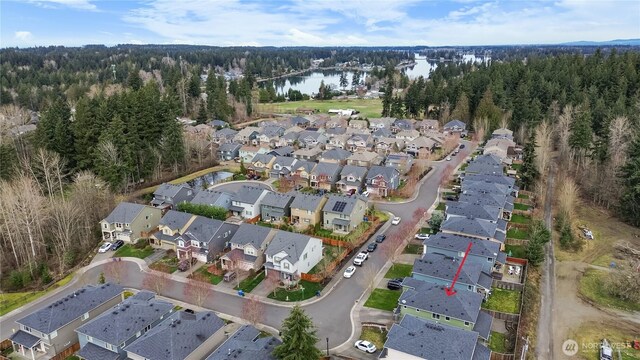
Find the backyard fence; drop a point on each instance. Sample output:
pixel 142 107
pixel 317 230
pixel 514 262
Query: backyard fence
pixel 501 356
pixel 503 316
pixel 513 241
pixel 507 285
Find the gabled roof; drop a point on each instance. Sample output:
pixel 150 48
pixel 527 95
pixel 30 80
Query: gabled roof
pixel 272 130
pixel 175 219
pixel 383 132
pixel 356 171
pixel 455 123
pixel 90 351
pixel 484 198
pixel 459 243
pixel 406 124
pixel 61 312
pixel 464 305
pixel 304 165
pixel 485 187
pixel 298 120
pixel 284 161
pixel 251 234
pixel 305 135
pixel 124 320
pixel 484 212
pixel 387 121
pixel 422 142
pixel 483 325
pixel 263 158
pixel 335 154
pixel 387 173
pixel 230 147
pixel 494 178
pixel 427 340
pixel 246 344
pixel 125 213
pixel 290 243
pixel 277 200
pixel 306 201
pixel 171 190
pixel 398 157
pixel 445 268
pixel 363 156
pixel 177 336
pixel 215 123
pixel 291 135
pixel 248 194
pixel 226 132
pixel 314 151
pixel 248 131
pixel 202 229
pixel 213 198
pixel 336 131
pixel 340 204
pixel 282 151
pixel 472 227
pixel 325 168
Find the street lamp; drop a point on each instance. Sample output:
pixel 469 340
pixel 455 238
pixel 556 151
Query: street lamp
pixel 327 346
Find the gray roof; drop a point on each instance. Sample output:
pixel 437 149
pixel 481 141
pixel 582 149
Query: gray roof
pixel 384 132
pixel 497 178
pixel 284 161
pixel 472 227
pixel 485 187
pixel 272 130
pixel 298 120
pixel 246 344
pixel 427 340
pixel 357 171
pixel 484 168
pixel 226 132
pixel 263 158
pixel 485 280
pixel 349 204
pixel 291 243
pixel 213 198
pixel 277 200
pixel 306 165
pixel 125 213
pixel 338 130
pixel 175 219
pixel 483 325
pixel 454 123
pixel 335 154
pixel 485 212
pixel 481 352
pixel 304 135
pixel 464 305
pixel 24 338
pixel 403 124
pixel 177 336
pixel 124 320
pixel 251 234
pixel 230 147
pixel 171 190
pixel 445 268
pixel 481 198
pixel 92 351
pixel 459 243
pixel 282 151
pixel 61 312
pixel 488 159
pixel 293 135
pixel 387 173
pixel 325 168
pixel 306 201
pixel 502 258
pixel 217 122
pixel 248 194
pixel 202 229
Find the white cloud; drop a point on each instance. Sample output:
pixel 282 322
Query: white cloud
pixel 23 36
pixel 76 4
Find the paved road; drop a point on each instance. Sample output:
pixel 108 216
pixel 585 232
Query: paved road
pixel 331 313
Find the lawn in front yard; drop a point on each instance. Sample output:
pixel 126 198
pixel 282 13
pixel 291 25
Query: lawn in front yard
pixel 520 219
pixel 383 299
pixel 520 206
pixel 305 290
pixel 415 249
pixel 168 264
pixel 12 301
pixel 498 342
pixel 592 286
pixel 247 285
pixel 399 270
pixel 517 251
pixel 507 301
pixel 523 196
pixel 377 336
pixel 441 206
pixel 129 251
pixel 213 278
pixel 516 233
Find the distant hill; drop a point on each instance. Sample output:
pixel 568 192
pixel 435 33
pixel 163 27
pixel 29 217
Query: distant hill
pixel 617 42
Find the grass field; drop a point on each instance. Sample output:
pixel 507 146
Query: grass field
pixel 12 301
pixel 399 270
pixel 519 206
pixel 247 285
pixel 383 299
pixel 129 251
pixel 374 335
pixel 518 251
pixel 592 287
pixel 441 206
pixel 520 219
pixel 213 278
pixel 507 301
pixel 369 108
pixel 516 233
pixel 498 342
pixel 307 290
pixel 415 249
pixel 589 335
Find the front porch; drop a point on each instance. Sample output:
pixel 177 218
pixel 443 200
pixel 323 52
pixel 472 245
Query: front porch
pixel 288 279
pixel 28 346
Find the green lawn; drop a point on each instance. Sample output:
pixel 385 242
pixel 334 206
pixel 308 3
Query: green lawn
pixel 523 196
pixel 464 166
pixel 247 285
pixel 129 251
pixel 516 167
pixel 399 270
pixel 12 301
pixel 507 301
pixel 520 219
pixel 214 279
pixel 168 264
pixel 519 206
pixel 383 299
pixel 415 249
pixel 518 251
pixel 374 335
pixel 369 108
pixel 592 287
pixel 516 233
pixel 498 342
pixel 299 294
pixel 441 206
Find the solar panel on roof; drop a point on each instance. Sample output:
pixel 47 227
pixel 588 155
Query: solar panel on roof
pixel 339 206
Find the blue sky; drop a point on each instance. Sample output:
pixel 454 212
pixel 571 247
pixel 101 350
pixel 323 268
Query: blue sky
pixel 314 22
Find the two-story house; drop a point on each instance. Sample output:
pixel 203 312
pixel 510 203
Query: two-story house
pixel 172 224
pixel 246 135
pixel 388 145
pixel 311 139
pixel 276 207
pixel 229 151
pixel 324 175
pixel 246 201
pixel 501 201
pixel 306 210
pixel 106 336
pixel 301 172
pixel 338 156
pixel 364 158
pixel 382 180
pixel 269 136
pixel 359 142
pixel 168 196
pixel 343 213
pixel 130 222
pixel 218 124
pixel 282 151
pixel 455 127
pixel 337 141
pixel 478 228
pixel 486 253
pixel 420 147
pixel 289 254
pixel 489 186
pixel 248 152
pixel 261 164
pixel 382 133
pixel 223 136
pixel 358 124
pixel 300 121
pixel 408 135
pixel 351 179
pixel 381 123
pixel 204 239
pixel 289 138
pixel 399 161
pixel 282 167
pixel 213 198
pixel 247 247
pixel 440 270
pixel 336 122
pixel 246 343
pixel 308 153
pixel 50 329
pixel 402 125
pixel 427 125
pixel 499 147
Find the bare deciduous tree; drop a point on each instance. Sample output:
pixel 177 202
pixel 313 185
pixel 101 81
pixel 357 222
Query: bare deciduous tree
pixel 253 310
pixel 563 132
pixel 156 282
pixel 480 127
pixel 114 271
pixel 543 147
pixel 369 277
pixel 567 196
pixel 197 292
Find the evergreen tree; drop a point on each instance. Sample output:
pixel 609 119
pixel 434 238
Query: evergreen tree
pixel 581 133
pixel 535 252
pixel 397 107
pixel 54 131
pixel 134 81
pixel 387 99
pixel 630 174
pixel 355 79
pixel 487 109
pixel 298 338
pixel 461 111
pixel 528 171
pixel 173 145
pixel 202 114
pixel 194 86
pixel 8 159
pixel 343 80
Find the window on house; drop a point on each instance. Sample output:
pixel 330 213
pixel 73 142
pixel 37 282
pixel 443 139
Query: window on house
pixel 466 323
pixel 286 266
pixel 447 318
pixel 127 225
pixel 105 226
pixel 147 328
pixel 469 287
pixel 304 257
pixel 138 334
pixel 417 310
pixel 85 316
pixel 26 328
pixel 54 334
pixel 490 259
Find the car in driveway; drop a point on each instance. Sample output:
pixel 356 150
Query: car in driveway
pixel 372 247
pixel 365 346
pixel 396 220
pixel 105 247
pixel 380 238
pixel 117 245
pixel 395 284
pixel 422 236
pixel 365 193
pixel 348 272
pixel 360 258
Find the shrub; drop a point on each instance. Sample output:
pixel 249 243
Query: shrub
pixel 45 275
pixel 213 212
pixel 624 285
pixel 15 278
pixel 70 258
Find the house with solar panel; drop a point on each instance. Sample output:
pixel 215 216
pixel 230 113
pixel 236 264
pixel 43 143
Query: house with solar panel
pixel 342 213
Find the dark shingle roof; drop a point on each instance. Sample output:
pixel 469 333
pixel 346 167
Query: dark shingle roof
pixel 248 194
pixel 213 198
pixel 24 338
pixel 485 212
pixel 333 206
pixel 202 229
pixel 230 147
pixel 454 123
pixel 471 227
pixel 459 243
pixel 282 151
pixel 441 267
pixel 356 171
pixel 386 172
pixel 291 243
pixel 483 325
pixel 328 169
pixel 246 344
pixel 277 200
pixel 481 352
pixel 498 179
pixel 71 307
pixel 94 352
pixel 175 219
pixel 485 187
pixel 464 305
pixel 124 213
pixel 177 336
pixel 251 234
pixel 335 154
pixel 306 201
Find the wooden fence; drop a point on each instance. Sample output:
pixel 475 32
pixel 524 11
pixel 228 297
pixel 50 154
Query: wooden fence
pixel 501 356
pixel 5 344
pixel 502 315
pixel 512 241
pixel 506 285
pixel 67 352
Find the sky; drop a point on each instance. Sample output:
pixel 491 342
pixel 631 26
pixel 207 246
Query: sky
pixel 29 23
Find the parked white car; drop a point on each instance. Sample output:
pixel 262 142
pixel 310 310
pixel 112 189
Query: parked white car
pixel 422 236
pixel 396 220
pixel 365 193
pixel 448 158
pixel 587 233
pixel 348 272
pixel 105 247
pixel 360 258
pixel 365 346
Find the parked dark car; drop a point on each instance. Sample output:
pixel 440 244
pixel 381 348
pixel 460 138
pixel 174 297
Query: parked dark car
pixel 451 198
pixel 117 245
pixel 395 284
pixel 380 238
pixel 461 146
pixel 372 247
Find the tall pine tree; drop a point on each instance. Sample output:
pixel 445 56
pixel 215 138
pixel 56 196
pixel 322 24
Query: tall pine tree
pixel 630 175
pixel 528 171
pixel 298 338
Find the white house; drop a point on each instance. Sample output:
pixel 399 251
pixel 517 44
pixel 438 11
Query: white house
pixel 289 255
pixel 246 202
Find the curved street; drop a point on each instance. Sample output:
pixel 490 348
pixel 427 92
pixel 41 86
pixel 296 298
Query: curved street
pixel 331 313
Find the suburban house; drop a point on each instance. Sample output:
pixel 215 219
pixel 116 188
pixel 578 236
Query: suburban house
pixel 337 141
pixel 246 201
pixel 309 153
pixel 358 124
pixel 300 121
pixel 408 135
pixel 401 125
pixel 468 210
pixel 489 186
pixel 338 156
pixel 420 147
pixel 336 122
pixel 364 158
pixel 454 126
pixel 324 175
pixel 440 270
pixel 282 151
pixel 306 210
pixel 50 330
pixel 218 124
pixel 289 138
pixel 492 178
pixel 246 135
pixel 386 145
pixel 504 202
pixel 183 335
pixel 229 151
pixel 414 338
pixel 502 133
pixel 223 136
pixel 381 180
pixel 343 213
pixel 106 336
pixel 282 167
pixel 247 152
pixel 499 147
pixel 360 142
pixel 485 164
pixel 203 239
pixel 478 228
pixel 431 302
pixel 213 198
pixel 269 135
pixel 351 178
pixel 300 172
pixel 381 123
pixel 246 343
pixel 382 133
pixel 247 247
pixel 290 254
pixel 276 207
pixel 168 196
pixel 311 139
pixel 399 161
pixel 172 224
pixel 486 253
pixel 427 125
pixel 130 222
pixel 436 136
pixel 261 164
